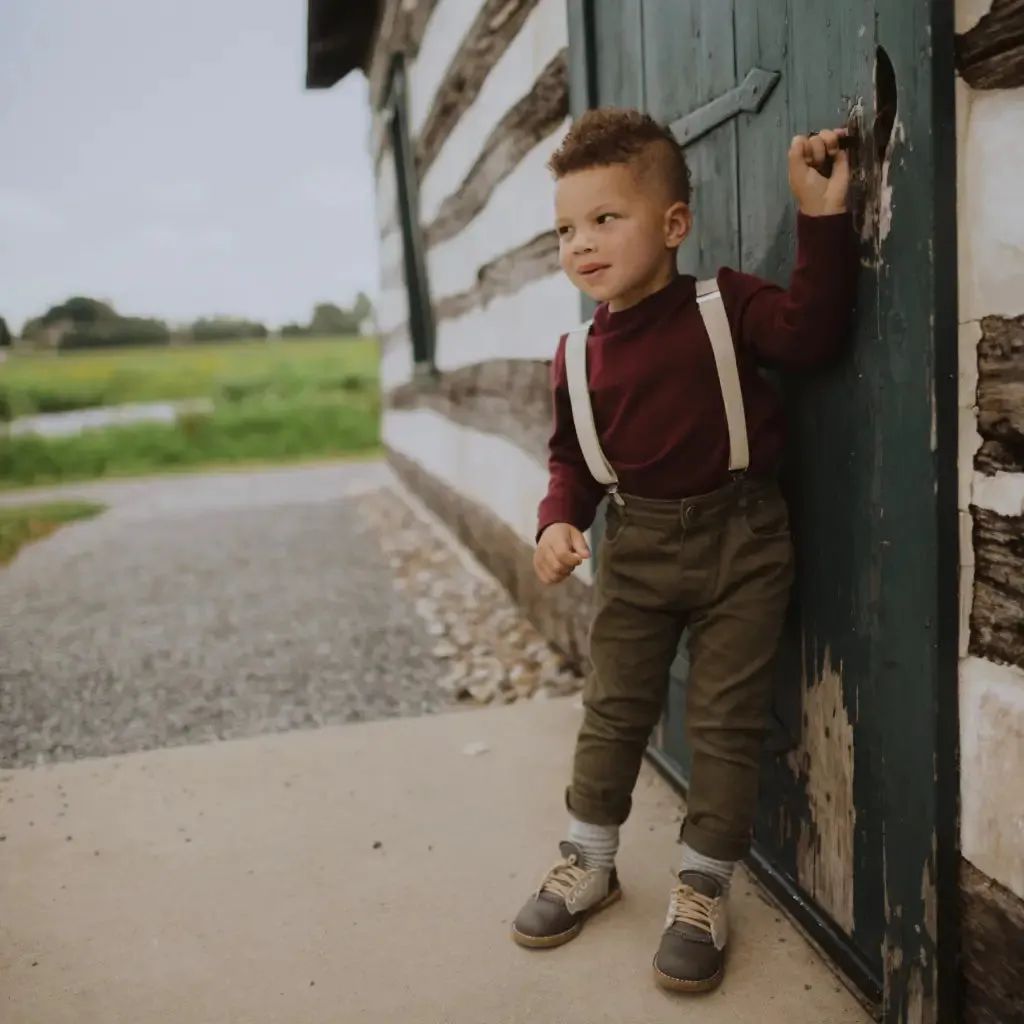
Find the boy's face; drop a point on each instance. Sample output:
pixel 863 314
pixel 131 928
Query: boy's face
pixel 618 235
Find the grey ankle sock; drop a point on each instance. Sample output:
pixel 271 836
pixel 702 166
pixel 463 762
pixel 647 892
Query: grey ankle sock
pixel 598 843
pixel 720 870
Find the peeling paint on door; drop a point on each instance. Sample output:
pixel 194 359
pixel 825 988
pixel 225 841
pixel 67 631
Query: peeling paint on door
pixel 873 156
pixel 929 896
pixel 916 992
pixel 825 761
pixel 919 1008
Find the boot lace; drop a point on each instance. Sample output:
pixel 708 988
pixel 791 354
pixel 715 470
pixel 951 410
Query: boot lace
pixel 687 906
pixel 561 878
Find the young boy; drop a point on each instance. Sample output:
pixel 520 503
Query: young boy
pixel 697 530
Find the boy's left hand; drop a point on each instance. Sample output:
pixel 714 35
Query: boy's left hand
pixel 816 195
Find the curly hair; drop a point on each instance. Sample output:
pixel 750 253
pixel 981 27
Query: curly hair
pixel 610 135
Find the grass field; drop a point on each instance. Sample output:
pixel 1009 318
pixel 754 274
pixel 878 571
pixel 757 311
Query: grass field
pixel 271 401
pixel 22 525
pixel 48 383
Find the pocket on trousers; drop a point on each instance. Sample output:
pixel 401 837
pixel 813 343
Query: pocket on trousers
pixel 766 517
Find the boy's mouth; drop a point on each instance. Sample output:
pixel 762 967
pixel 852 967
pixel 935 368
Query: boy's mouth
pixel 590 269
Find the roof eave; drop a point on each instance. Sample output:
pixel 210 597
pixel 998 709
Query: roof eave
pixel 339 39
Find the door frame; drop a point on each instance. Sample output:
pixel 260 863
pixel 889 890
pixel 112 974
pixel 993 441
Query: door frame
pixel 922 926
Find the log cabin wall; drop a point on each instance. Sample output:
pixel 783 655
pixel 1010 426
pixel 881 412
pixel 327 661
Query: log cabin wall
pixel 990 138
pixel 487 102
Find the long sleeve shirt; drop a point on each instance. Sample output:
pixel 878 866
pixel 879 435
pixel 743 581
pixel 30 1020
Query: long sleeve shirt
pixel 654 385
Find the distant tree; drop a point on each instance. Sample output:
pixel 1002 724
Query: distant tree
pixel 81 322
pixel 5 334
pixel 362 309
pixel 123 332
pixel 31 329
pixel 80 311
pixel 330 320
pixel 224 328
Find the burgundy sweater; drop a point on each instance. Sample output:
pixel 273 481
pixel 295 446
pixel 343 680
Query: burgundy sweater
pixel 654 385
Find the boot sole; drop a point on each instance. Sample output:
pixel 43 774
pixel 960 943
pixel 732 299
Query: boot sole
pixel 552 941
pixel 670 984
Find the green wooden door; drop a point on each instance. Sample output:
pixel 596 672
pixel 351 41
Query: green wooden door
pixel 857 823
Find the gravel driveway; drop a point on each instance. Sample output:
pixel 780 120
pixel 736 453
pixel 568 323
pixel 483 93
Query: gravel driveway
pixel 207 607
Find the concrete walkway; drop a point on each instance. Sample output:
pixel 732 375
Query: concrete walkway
pixel 361 873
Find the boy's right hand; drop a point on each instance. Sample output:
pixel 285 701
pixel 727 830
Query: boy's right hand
pixel 816 194
pixel 561 548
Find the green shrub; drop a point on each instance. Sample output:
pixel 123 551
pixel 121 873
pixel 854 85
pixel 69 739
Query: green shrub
pixel 127 332
pixel 218 329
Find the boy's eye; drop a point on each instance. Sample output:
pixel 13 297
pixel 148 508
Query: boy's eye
pixel 606 217
pixel 563 230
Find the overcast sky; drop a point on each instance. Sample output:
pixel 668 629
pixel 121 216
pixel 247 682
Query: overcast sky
pixel 166 156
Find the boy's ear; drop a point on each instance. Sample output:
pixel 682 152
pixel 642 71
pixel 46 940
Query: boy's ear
pixel 678 221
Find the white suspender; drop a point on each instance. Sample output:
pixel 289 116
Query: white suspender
pixel 712 311
pixel 716 323
pixel 582 411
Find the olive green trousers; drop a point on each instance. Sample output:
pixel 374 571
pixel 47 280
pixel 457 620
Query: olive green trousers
pixel 719 566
